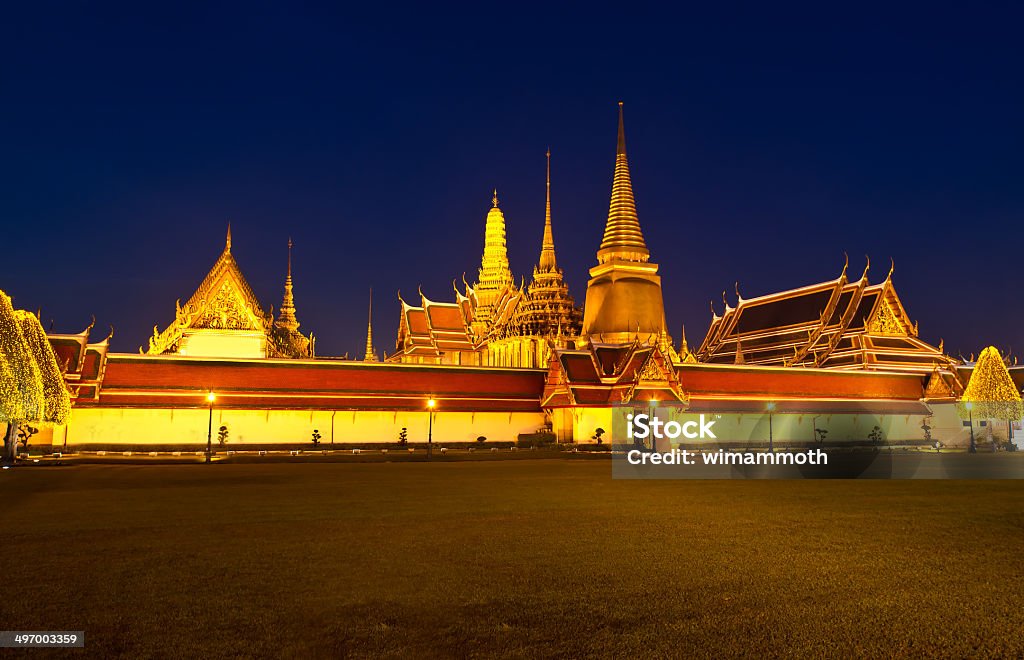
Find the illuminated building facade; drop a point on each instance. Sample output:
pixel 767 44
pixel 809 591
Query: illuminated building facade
pixel 502 360
pixel 223 318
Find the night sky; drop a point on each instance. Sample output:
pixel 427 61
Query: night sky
pixel 763 143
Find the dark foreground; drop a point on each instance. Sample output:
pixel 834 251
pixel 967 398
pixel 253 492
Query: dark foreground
pixel 516 558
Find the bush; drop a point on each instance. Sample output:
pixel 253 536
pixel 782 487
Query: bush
pixel 537 440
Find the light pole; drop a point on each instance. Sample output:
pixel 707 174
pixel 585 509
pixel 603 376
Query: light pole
pixel 771 439
pixel 430 426
pixel 973 449
pixel 210 398
pixel 650 419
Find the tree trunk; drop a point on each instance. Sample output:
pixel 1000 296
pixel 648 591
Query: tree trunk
pixel 11 443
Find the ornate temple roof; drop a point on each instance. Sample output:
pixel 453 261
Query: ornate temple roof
pixel 435 328
pixel 610 374
pixel 837 324
pixel 83 363
pixel 224 301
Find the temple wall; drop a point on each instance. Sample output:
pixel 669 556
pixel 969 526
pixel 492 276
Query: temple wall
pixel 155 426
pixel 752 430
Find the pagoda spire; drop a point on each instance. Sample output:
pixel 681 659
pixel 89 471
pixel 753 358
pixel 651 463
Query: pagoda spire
pixel 371 355
pixel 494 275
pixel 623 240
pixel 547 249
pixel 227 242
pixel 287 316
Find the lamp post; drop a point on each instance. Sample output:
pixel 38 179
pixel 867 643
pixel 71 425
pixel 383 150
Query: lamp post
pixel 771 439
pixel 654 442
pixel 210 398
pixel 973 449
pixel 430 426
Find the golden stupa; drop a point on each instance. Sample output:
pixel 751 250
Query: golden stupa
pixel 624 301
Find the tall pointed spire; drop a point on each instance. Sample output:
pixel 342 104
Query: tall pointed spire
pixel 624 299
pixel 494 274
pixel 371 355
pixel 227 242
pixel 547 248
pixel 623 239
pixel 286 318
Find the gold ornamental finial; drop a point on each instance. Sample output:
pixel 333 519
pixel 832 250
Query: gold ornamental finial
pixel 494 201
pixel 623 240
pixel 371 355
pixel 227 243
pixel 547 248
pixel 286 315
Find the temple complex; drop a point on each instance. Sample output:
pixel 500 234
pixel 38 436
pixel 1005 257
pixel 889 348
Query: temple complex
pixel 494 322
pixel 223 318
pixel 499 359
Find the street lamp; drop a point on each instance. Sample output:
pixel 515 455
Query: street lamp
pixel 430 426
pixel 654 442
pixel 210 398
pixel 973 449
pixel 771 439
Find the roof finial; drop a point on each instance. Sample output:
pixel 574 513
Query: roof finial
pixel 892 267
pixel 623 240
pixel 846 263
pixel 494 200
pixel 227 243
pixel 371 355
pixel 621 146
pixel 547 248
pixel 289 257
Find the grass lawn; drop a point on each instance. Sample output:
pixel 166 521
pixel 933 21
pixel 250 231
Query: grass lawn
pixel 516 558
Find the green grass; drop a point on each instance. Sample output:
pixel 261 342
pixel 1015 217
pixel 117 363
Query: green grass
pixel 512 558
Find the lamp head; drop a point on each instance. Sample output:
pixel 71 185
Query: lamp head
pixel 771 406
pixel 211 397
pixel 431 403
pixel 969 405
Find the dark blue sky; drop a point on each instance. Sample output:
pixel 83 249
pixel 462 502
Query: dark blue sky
pixel 763 141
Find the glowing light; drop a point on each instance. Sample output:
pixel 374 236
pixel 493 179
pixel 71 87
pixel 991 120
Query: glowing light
pixel 990 392
pixel 771 406
pixel 431 403
pixel 211 397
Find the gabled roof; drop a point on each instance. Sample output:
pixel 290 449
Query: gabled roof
pixel 223 301
pixel 608 374
pixel 838 324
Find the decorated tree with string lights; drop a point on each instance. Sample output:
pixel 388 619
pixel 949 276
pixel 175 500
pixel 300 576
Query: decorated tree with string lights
pixel 56 400
pixel 990 393
pixel 21 384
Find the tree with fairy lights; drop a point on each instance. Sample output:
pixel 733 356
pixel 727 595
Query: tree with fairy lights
pixel 56 399
pixel 990 394
pixel 21 384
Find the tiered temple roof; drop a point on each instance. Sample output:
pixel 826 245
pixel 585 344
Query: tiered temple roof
pixel 838 324
pixel 610 374
pixel 547 309
pixel 82 363
pixel 435 328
